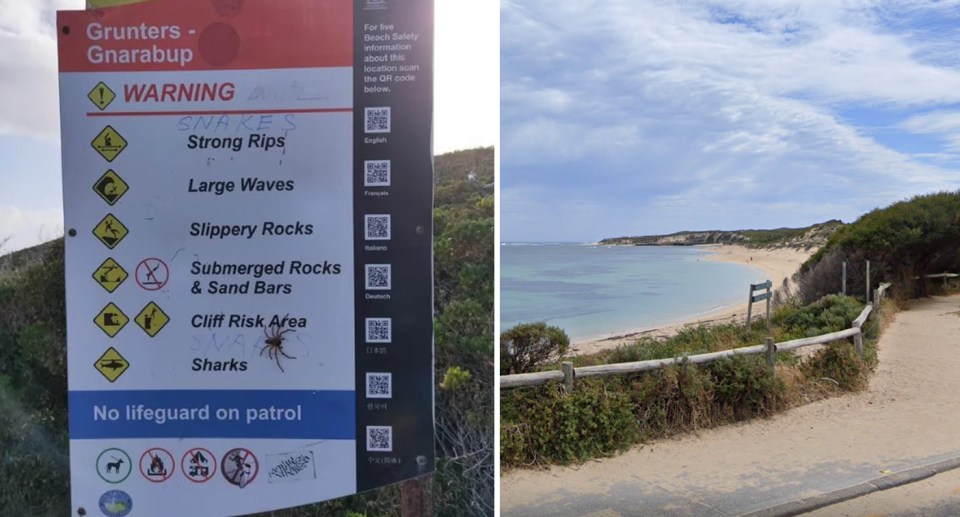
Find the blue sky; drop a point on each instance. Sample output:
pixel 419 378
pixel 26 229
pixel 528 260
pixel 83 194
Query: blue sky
pixel 630 117
pixel 31 208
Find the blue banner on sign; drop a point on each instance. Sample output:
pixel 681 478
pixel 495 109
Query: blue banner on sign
pixel 292 414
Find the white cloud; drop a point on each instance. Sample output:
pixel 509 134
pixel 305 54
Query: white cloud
pixel 28 228
pixel 28 66
pixel 666 106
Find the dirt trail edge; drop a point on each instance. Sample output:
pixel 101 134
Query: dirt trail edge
pixel 907 417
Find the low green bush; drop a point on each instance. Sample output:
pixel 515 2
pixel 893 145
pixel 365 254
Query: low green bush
pixel 528 345
pixel 832 313
pixel 605 415
pixel 840 363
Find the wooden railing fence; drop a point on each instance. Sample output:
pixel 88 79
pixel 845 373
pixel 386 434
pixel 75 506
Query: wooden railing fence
pixel 568 373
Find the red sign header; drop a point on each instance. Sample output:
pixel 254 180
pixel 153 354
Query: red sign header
pixel 181 35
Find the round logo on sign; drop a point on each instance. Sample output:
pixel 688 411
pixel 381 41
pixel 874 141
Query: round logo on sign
pixel 115 503
pixel 239 467
pixel 157 465
pixel 113 465
pixel 152 274
pixel 199 465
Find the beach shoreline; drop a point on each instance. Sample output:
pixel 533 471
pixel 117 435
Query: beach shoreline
pixel 778 264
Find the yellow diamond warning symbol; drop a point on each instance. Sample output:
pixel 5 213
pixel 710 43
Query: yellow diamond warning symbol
pixel 109 143
pixel 101 96
pixel 111 364
pixel 110 187
pixel 111 319
pixel 110 275
pixel 152 319
pixel 110 231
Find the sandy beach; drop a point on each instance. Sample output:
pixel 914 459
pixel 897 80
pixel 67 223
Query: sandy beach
pixel 779 264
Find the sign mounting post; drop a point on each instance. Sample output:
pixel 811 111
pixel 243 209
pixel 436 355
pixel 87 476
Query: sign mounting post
pixel 248 189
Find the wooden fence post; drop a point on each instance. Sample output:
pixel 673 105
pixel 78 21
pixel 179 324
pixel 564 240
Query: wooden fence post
pixel 771 356
pixel 567 368
pixel 768 306
pixel 868 282
pixel 844 278
pixel 750 307
pixel 416 495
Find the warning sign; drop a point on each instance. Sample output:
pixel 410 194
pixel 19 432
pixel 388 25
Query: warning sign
pixel 110 275
pixel 151 319
pixel 101 96
pixel 109 143
pixel 110 187
pixel 199 465
pixel 239 467
pixel 111 319
pixel 110 231
pixel 157 465
pixel 111 364
pixel 152 274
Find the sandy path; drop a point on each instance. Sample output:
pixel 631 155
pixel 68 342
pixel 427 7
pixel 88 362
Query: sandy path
pixel 908 415
pixel 779 264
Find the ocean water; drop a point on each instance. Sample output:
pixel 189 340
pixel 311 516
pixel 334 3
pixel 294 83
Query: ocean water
pixel 598 291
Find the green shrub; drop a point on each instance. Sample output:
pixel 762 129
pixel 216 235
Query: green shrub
pixel 605 415
pixel 838 361
pixel 561 428
pixel 832 313
pixel 914 237
pixel 743 386
pixel 525 346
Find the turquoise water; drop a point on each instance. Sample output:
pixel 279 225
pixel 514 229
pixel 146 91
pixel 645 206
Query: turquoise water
pixel 596 291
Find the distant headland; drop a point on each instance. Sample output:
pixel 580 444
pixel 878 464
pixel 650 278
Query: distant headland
pixel 810 237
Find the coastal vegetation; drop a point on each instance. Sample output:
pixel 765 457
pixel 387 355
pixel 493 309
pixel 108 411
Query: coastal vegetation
pixel 904 242
pixel 810 237
pixel 604 415
pixel 34 453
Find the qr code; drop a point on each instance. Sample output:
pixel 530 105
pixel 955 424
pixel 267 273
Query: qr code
pixel 376 173
pixel 379 385
pixel 378 330
pixel 376 120
pixel 378 276
pixel 378 227
pixel 379 438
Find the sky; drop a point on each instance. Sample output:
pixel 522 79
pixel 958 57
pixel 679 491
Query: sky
pixel 639 117
pixel 31 211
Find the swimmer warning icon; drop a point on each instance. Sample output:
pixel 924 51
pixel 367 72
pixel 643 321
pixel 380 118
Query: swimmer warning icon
pixel 110 187
pixel 109 143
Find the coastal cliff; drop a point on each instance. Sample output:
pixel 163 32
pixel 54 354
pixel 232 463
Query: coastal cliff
pixel 807 238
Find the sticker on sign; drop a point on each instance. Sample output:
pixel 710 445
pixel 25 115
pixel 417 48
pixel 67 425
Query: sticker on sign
pixel 290 466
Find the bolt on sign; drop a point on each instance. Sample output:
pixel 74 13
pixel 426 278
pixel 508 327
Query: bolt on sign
pixel 249 287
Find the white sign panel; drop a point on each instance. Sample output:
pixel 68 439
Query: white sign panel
pixel 248 255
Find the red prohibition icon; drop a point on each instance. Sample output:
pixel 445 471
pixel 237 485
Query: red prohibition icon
pixel 152 274
pixel 157 465
pixel 199 465
pixel 239 467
